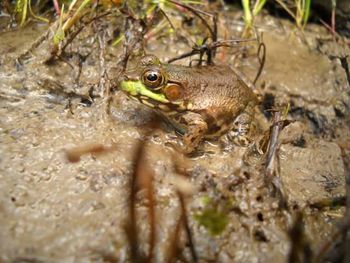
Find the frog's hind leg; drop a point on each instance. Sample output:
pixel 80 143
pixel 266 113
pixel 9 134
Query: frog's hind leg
pixel 196 129
pixel 242 126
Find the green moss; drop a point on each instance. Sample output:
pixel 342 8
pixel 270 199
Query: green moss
pixel 213 220
pixel 214 216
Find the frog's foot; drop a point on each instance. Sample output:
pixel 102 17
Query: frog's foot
pixel 242 140
pixel 196 128
pixel 192 139
pixel 239 135
pixel 180 148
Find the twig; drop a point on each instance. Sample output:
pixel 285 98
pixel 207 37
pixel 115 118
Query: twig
pixel 74 154
pixel 57 52
pixel 152 218
pixel 345 65
pixel 35 44
pixel 299 246
pixel 57 7
pixel 330 28
pixel 132 223
pixel 103 82
pixel 198 13
pixel 182 190
pixel 215 22
pixel 187 227
pixel 173 249
pixel 167 18
pixel 134 32
pixel 142 178
pixel 262 47
pixel 334 3
pixel 203 48
pixel 273 181
pixel 271 151
pixel 346 235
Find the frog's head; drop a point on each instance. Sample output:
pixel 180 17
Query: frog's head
pixel 150 84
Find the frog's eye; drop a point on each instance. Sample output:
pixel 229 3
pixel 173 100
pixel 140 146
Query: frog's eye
pixel 173 92
pixel 152 79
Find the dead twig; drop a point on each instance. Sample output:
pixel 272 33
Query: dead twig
pixel 330 28
pixel 271 150
pixel 187 227
pixel 103 80
pixel 198 13
pixel 134 32
pixel 211 46
pixel 300 248
pixel 131 227
pixel 262 48
pixel 74 154
pixel 56 52
pixel 346 234
pixel 152 218
pixel 35 44
pixel 273 181
pixel 345 65
pixel 142 178
pixel 173 249
pixel 184 189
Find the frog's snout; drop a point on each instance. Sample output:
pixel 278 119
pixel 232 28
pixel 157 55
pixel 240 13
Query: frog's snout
pixel 123 78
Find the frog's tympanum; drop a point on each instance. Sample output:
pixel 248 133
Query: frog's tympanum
pixel 199 102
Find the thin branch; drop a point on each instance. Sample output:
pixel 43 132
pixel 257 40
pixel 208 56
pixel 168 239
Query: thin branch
pixel 271 151
pixel 198 13
pixel 214 45
pixel 173 249
pixel 262 48
pixel 132 221
pixel 35 44
pixel 346 234
pixel 187 227
pixel 299 245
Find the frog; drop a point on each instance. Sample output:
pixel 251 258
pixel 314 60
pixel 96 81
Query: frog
pixel 199 102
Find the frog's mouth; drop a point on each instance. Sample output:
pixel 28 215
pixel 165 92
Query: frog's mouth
pixel 136 89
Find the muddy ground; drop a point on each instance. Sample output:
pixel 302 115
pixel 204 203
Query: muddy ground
pixel 53 210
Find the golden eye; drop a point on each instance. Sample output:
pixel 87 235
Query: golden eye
pixel 173 92
pixel 153 79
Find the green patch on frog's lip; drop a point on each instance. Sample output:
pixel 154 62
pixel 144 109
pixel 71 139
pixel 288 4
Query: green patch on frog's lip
pixel 136 88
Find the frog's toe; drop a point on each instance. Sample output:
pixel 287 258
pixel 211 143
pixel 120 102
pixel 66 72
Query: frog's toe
pixel 240 139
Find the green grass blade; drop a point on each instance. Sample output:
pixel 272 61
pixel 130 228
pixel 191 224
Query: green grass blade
pixel 306 12
pixel 24 12
pixel 247 13
pixel 258 6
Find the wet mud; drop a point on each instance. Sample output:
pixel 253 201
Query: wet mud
pixel 53 210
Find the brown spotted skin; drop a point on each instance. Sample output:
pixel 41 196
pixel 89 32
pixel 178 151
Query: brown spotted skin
pixel 216 90
pixel 214 97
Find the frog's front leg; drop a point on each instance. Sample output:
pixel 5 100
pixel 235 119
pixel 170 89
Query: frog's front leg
pixel 196 129
pixel 241 126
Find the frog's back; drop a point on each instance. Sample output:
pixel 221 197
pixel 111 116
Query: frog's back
pixel 212 87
